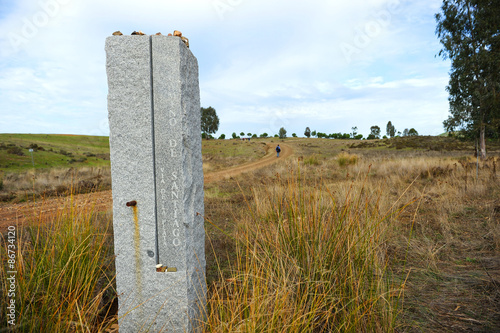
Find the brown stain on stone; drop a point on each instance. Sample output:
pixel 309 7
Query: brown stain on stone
pixel 137 249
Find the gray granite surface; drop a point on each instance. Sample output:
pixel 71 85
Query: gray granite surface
pixel 157 183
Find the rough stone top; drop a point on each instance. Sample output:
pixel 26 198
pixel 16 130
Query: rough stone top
pixel 176 33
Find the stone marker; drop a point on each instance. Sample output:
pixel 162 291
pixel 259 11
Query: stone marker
pixel 157 183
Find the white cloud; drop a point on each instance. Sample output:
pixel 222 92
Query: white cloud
pixel 262 64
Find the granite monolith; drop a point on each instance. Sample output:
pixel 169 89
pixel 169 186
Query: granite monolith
pixel 157 183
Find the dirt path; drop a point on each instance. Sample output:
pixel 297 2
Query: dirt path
pixel 266 160
pixel 16 214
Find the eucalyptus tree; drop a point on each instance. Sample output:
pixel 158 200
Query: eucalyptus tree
pixel 282 133
pixel 375 132
pixel 209 121
pixel 469 31
pixel 390 130
pixel 307 132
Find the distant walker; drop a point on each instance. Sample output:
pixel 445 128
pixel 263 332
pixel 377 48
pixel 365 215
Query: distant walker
pixel 278 150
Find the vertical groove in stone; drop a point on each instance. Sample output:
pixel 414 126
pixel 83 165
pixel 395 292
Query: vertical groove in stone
pixel 157 254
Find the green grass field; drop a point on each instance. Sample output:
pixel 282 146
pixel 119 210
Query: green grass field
pixel 61 161
pixel 65 151
pixel 51 151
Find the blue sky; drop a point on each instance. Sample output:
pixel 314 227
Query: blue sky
pixel 329 65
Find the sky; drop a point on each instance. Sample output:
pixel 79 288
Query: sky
pixel 329 65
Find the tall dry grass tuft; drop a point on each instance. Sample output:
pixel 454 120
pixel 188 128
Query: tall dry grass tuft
pixel 308 261
pixel 344 159
pixel 64 273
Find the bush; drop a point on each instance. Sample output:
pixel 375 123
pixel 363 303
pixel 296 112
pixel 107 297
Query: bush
pixel 60 189
pixel 345 159
pixel 15 151
pixel 36 147
pixel 6 197
pixel 65 153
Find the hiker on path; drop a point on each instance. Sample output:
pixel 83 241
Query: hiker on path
pixel 278 149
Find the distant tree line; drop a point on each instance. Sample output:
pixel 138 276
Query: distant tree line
pixel 375 133
pixel 210 125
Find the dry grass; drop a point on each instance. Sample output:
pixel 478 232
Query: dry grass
pixel 64 273
pixel 220 154
pixel 309 260
pixel 396 240
pixel 48 182
pixel 440 246
pixel 345 159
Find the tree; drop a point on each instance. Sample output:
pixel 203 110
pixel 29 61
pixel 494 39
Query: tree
pixel 264 135
pixel 375 132
pixel 234 135
pixel 313 133
pixel 469 33
pixel 354 131
pixel 406 132
pixel 209 121
pixel 242 133
pixel 222 136
pixel 412 132
pixel 307 132
pixel 249 135
pixel 391 130
pixel 282 133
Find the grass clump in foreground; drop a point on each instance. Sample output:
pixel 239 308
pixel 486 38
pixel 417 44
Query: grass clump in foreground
pixel 64 274
pixel 308 261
